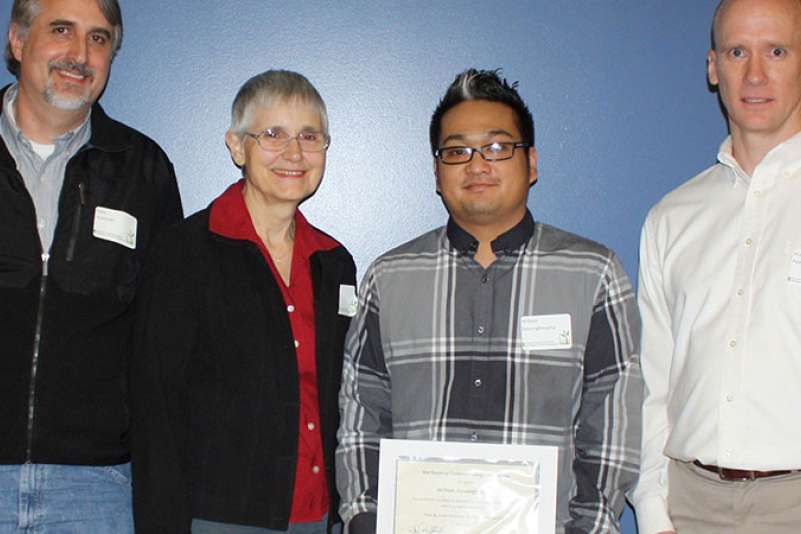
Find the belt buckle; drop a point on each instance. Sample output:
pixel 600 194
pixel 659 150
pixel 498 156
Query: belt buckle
pixel 723 476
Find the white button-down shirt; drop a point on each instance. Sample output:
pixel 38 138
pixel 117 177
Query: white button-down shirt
pixel 720 297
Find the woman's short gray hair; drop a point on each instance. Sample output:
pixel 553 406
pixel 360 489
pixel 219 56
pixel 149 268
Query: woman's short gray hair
pixel 269 87
pixel 23 12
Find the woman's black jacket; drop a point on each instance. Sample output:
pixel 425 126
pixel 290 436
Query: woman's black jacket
pixel 215 388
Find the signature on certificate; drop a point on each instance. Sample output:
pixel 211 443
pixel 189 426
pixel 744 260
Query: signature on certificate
pixel 426 529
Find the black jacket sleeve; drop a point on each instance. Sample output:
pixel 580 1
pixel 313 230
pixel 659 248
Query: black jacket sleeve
pixel 164 341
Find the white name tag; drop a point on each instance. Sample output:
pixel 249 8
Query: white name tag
pixel 794 274
pixel 546 332
pixel 116 226
pixel 348 302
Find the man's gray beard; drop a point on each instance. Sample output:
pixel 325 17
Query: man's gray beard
pixel 62 103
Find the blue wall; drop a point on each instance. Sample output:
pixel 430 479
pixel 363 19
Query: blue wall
pixel 617 88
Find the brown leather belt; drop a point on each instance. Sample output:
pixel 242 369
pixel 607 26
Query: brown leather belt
pixel 742 474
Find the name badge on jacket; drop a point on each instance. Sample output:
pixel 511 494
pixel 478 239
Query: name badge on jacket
pixel 115 226
pixel 348 302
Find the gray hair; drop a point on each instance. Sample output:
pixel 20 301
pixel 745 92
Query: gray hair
pixel 23 13
pixel 269 87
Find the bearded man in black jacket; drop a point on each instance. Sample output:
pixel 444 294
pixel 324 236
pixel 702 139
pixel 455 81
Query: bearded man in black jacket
pixel 81 197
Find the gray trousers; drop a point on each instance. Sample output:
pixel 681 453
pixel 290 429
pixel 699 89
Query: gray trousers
pixel 700 503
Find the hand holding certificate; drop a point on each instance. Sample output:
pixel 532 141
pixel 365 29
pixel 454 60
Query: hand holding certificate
pixel 463 488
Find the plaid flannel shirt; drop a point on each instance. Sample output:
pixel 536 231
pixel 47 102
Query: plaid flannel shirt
pixel 435 352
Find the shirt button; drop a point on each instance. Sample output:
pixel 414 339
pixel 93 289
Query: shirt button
pixel 42 223
pixel 315 469
pixel 484 279
pixel 733 343
pixel 748 242
pixel 480 329
pixel 729 397
pixel 311 426
pixel 477 382
pixel 297 343
pixel 758 193
pixel 290 308
pixel 740 292
pixel 473 437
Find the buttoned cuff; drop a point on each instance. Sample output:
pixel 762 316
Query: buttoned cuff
pixel 652 516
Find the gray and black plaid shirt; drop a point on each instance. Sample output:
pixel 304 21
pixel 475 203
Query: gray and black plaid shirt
pixel 435 352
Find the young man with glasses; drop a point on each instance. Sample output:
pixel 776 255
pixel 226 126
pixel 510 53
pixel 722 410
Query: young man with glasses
pixel 442 330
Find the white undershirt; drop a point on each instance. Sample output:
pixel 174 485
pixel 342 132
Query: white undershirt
pixel 43 151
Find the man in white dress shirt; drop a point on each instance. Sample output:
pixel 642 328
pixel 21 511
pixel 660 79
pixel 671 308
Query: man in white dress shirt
pixel 720 296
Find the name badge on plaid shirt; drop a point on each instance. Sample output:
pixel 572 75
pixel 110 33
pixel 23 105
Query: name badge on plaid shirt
pixel 546 332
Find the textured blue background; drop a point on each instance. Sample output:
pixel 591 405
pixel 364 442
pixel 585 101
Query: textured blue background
pixel 617 88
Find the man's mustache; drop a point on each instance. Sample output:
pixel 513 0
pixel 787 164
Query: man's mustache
pixel 81 69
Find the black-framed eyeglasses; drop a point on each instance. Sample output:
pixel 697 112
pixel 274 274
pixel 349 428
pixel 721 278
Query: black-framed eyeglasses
pixel 277 139
pixel 497 151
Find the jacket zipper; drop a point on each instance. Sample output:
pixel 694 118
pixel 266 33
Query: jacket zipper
pixel 37 338
pixel 76 222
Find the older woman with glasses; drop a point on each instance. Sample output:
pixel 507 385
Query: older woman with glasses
pixel 242 321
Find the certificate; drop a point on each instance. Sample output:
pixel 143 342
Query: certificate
pixel 435 487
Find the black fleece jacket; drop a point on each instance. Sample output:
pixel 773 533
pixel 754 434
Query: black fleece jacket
pixel 215 382
pixel 66 336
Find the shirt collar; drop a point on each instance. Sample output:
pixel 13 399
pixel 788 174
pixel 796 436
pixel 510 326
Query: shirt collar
pixel 230 218
pixel 69 142
pixel 783 155
pixel 508 241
